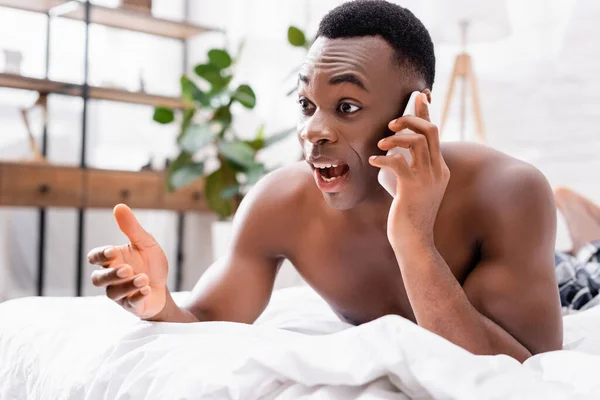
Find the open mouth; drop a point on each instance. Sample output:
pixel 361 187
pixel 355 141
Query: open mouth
pixel 331 173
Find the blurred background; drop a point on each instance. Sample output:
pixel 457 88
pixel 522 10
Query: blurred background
pixel 93 111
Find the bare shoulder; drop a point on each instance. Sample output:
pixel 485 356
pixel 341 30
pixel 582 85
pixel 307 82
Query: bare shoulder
pixel 496 182
pixel 269 213
pixel 279 190
pixel 504 196
pixel 511 207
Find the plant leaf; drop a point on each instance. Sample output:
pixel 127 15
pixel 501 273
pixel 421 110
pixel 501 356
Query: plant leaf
pixel 223 115
pixel 245 96
pixel 227 80
pixel 256 144
pixel 237 167
pixel 296 37
pixel 185 175
pixel 219 58
pixel 230 191
pixel 237 152
pixel 255 173
pixel 197 136
pixel 188 116
pixel 209 72
pixel 259 141
pixel 163 115
pixel 182 159
pixel 212 74
pixel 278 136
pixel 261 132
pixel 191 92
pixel 213 186
pixel 220 87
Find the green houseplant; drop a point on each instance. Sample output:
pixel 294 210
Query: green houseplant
pixel 297 38
pixel 205 125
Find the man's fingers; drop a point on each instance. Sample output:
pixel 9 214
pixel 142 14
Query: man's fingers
pixel 415 142
pixel 134 300
pixel 102 255
pixel 129 225
pixel 397 163
pixel 420 126
pixel 422 107
pixel 118 291
pixel 112 276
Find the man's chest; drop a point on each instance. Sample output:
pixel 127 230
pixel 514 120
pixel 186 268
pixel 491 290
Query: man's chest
pixel 358 274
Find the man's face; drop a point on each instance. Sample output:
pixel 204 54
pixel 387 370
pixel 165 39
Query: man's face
pixel 349 90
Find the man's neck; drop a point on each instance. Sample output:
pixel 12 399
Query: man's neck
pixel 373 210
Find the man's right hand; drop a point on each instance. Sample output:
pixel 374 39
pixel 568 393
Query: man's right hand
pixel 134 275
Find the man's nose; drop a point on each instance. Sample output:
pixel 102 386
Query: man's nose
pixel 317 130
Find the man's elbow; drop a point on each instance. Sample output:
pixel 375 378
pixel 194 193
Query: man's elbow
pixel 546 344
pixel 550 345
pixel 523 356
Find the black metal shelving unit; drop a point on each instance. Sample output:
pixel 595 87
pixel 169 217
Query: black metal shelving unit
pixel 52 12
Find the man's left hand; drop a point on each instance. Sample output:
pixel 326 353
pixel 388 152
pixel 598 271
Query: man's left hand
pixel 421 185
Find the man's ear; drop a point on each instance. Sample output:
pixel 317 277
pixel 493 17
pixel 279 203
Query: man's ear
pixel 428 93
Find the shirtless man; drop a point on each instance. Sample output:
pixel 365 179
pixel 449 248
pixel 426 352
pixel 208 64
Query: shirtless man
pixel 465 250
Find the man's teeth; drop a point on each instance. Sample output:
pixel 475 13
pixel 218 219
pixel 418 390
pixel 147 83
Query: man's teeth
pixel 330 179
pixel 323 166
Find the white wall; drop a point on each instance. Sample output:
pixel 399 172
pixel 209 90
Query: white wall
pixel 538 91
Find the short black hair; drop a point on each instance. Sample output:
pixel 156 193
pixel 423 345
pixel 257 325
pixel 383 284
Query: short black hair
pixel 397 25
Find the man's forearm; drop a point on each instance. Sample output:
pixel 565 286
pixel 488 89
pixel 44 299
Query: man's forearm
pixel 171 312
pixel 441 306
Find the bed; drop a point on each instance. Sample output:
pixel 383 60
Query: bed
pixel 88 348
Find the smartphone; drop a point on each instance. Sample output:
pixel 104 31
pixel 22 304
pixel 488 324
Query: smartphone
pixel 386 177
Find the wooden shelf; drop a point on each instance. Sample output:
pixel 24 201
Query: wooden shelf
pixel 47 86
pixel 39 6
pixel 101 93
pixel 137 21
pixel 40 85
pixel 46 185
pixel 121 18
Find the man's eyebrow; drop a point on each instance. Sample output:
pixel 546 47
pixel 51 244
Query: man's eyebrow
pixel 303 78
pixel 348 78
pixel 336 80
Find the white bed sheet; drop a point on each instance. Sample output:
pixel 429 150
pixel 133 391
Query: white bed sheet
pixel 88 348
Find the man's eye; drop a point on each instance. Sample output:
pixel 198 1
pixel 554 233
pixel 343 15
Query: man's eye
pixel 303 103
pixel 348 108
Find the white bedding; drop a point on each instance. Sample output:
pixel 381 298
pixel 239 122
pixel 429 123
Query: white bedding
pixel 76 348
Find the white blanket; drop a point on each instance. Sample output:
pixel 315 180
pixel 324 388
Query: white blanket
pixel 88 348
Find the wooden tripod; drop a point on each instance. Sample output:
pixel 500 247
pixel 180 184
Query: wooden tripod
pixel 463 69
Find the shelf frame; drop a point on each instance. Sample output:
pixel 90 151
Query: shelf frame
pixel 125 19
pixel 113 17
pixel 47 86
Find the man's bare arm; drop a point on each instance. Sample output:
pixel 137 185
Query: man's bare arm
pixel 515 283
pixel 236 288
pixel 230 290
pixel 509 304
